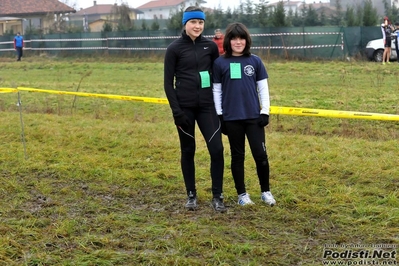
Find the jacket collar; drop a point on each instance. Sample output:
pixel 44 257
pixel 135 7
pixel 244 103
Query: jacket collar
pixel 186 37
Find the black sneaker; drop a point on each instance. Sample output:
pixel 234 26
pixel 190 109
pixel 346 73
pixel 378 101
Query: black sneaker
pixel 218 205
pixel 191 203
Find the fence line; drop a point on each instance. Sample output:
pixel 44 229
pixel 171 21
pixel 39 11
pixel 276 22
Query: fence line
pixel 106 40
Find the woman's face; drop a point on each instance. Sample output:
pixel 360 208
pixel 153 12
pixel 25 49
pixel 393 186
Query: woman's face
pixel 194 28
pixel 237 46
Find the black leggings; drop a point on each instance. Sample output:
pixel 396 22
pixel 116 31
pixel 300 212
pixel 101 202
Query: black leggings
pixel 397 49
pixel 209 125
pixel 237 130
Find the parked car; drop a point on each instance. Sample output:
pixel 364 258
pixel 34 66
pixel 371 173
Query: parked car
pixel 375 49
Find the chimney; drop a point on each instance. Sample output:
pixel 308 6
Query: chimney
pixel 94 3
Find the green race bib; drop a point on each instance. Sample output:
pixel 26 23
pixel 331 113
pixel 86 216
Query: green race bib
pixel 205 79
pixel 235 70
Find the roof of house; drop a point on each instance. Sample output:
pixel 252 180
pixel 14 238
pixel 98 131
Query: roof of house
pixel 164 3
pixel 101 9
pixel 29 7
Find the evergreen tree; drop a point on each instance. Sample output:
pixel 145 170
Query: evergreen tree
pixel 248 7
pixel 350 17
pixel 337 18
pixel 218 18
pixel 279 15
pixel 304 13
pixel 297 20
pixel 210 20
pixel 261 16
pixel 395 14
pixel 155 25
pixel 174 22
pixel 289 18
pixel 388 9
pixel 143 25
pixel 107 27
pixel 323 19
pixel 391 11
pixel 246 13
pixel 236 16
pixel 370 15
pixel 228 16
pixel 359 15
pixel 311 18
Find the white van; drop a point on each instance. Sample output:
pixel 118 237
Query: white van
pixel 375 49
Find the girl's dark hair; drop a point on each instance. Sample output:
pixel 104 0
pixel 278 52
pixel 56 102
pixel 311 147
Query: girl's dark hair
pixel 235 30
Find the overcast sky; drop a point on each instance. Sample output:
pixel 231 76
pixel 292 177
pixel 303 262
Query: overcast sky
pixel 78 4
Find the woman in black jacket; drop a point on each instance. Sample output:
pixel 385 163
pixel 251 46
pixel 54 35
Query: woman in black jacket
pixel 188 87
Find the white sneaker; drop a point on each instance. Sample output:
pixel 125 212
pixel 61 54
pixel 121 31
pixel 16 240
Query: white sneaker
pixel 244 199
pixel 268 198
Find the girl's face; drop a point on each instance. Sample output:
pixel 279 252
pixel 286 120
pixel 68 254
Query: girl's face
pixel 194 28
pixel 237 46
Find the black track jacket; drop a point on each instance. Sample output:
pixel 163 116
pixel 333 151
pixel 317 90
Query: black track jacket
pixel 184 59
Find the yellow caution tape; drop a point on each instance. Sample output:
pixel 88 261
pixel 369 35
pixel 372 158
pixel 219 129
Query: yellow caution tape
pixel 331 113
pixel 7 90
pixel 273 109
pixel 97 95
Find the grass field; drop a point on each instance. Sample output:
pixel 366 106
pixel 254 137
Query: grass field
pixel 99 181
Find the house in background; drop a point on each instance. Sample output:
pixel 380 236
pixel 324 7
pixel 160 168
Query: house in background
pixel 164 9
pixel 96 16
pixel 38 14
pixel 10 24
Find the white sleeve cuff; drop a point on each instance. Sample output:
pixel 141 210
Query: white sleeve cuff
pixel 217 97
pixel 264 98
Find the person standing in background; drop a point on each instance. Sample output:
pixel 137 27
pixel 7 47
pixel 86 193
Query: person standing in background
pixel 387 30
pixel 188 86
pixel 241 95
pixel 218 39
pixel 397 40
pixel 19 45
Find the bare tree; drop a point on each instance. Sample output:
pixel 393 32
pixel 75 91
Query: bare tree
pixel 121 15
pixel 56 23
